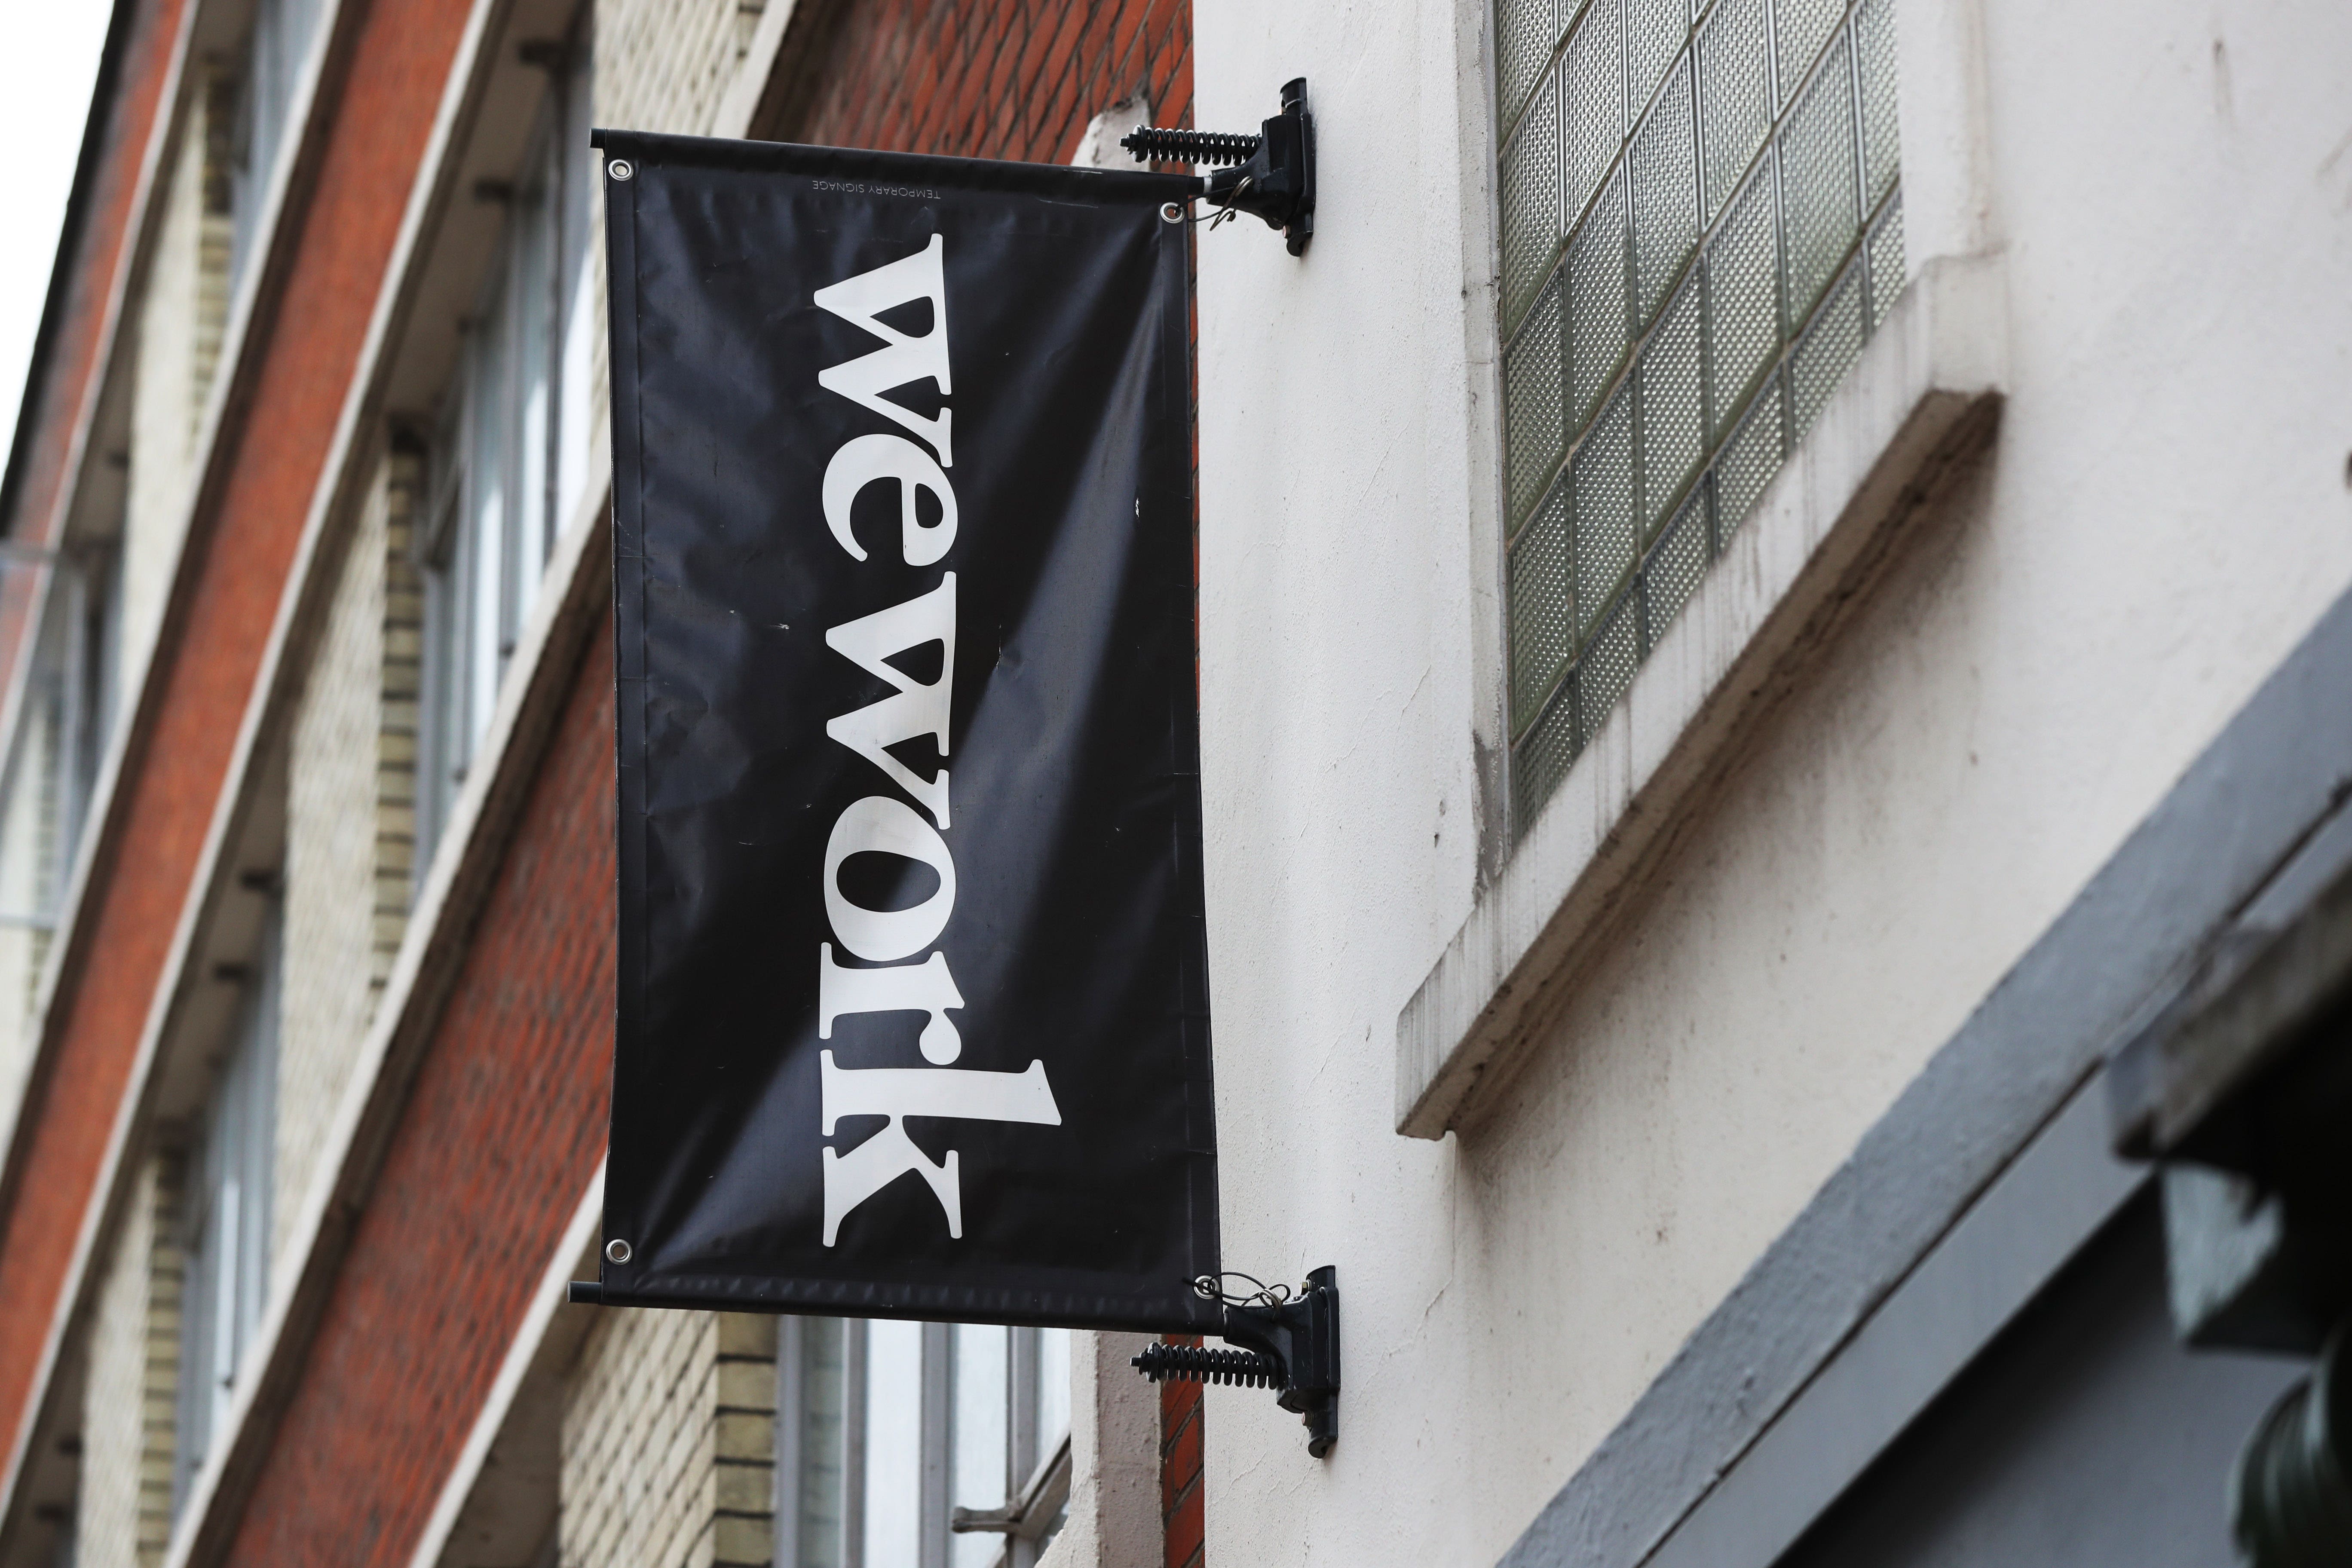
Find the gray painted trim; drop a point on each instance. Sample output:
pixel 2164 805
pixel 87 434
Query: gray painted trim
pixel 2058 1194
pixel 2099 973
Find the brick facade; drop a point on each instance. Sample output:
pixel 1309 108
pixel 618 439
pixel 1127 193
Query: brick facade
pixel 493 1109
pixel 124 1517
pixel 401 668
pixel 384 110
pixel 502 1129
pixel 669 1448
pixel 328 988
pixel 1181 1511
pixel 981 78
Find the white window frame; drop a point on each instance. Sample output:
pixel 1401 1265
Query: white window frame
pixel 62 719
pixel 226 1223
pixel 496 455
pixel 1921 398
pixel 1034 1493
pixel 281 42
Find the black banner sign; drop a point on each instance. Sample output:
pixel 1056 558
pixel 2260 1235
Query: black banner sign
pixel 913 983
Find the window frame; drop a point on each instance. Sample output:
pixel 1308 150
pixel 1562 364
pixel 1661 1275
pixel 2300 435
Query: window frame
pixel 231 1165
pixel 1927 389
pixel 525 339
pixel 1579 618
pixel 1038 1464
pixel 63 714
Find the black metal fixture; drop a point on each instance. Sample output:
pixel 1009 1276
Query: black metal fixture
pixel 2291 1502
pixel 1269 175
pixel 1289 1343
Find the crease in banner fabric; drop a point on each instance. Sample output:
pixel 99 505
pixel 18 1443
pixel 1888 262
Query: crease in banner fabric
pixel 913 1010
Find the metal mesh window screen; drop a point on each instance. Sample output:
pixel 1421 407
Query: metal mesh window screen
pixel 1702 224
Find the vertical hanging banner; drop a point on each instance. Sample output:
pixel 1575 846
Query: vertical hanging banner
pixel 913 1014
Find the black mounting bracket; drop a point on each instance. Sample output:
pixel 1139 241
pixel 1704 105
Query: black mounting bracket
pixel 1272 173
pixel 1289 1343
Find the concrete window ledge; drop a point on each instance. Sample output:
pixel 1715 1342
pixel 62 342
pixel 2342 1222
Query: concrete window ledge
pixel 1919 405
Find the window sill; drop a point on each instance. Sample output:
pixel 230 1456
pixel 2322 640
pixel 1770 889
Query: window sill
pixel 1921 402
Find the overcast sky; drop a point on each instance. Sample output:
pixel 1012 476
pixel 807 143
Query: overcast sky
pixel 46 70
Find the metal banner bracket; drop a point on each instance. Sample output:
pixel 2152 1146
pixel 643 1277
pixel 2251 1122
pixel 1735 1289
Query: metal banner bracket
pixel 1269 175
pixel 1289 1343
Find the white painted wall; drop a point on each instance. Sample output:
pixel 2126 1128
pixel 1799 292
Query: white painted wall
pixel 2165 514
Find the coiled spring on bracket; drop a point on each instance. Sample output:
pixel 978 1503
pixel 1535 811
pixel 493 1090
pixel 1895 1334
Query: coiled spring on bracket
pixel 1197 1363
pixel 1154 144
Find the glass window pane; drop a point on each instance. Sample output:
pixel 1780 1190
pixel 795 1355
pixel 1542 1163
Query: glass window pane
pixel 1669 391
pixel 1664 165
pixel 1601 481
pixel 1830 346
pixel 1674 566
pixel 1874 26
pixel 1532 427
pixel 894 1444
pixel 1743 299
pixel 1886 262
pixel 1735 95
pixel 486 545
pixel 1053 1390
pixel 534 274
pixel 1596 306
pixel 228 1218
pixel 576 285
pixel 1654 32
pixel 1817 184
pixel 1543 608
pixel 820 1454
pixel 1523 35
pixel 1540 759
pixel 1678 391
pixel 1531 201
pixel 489 451
pixel 982 1457
pixel 1593 90
pixel 1799 28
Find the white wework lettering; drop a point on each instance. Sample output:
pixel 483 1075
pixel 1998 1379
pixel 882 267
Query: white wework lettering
pixel 925 987
pixel 878 824
pixel 901 359
pixel 884 824
pixel 958 1093
pixel 916 708
pixel 868 458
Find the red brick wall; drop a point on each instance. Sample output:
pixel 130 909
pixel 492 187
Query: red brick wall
pixel 383 114
pixel 508 1114
pixel 1181 1513
pixel 992 79
pixel 502 1129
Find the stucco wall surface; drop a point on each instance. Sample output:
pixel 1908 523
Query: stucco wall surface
pixel 2164 512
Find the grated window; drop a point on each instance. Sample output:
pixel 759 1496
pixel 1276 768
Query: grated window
pixel 1702 224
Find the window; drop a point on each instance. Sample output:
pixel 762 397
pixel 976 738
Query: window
pixel 1701 225
pixel 227 1217
pixel 63 723
pixel 919 1444
pixel 511 457
pixel 276 50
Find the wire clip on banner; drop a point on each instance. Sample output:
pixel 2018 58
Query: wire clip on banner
pixel 1269 175
pixel 1290 1343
